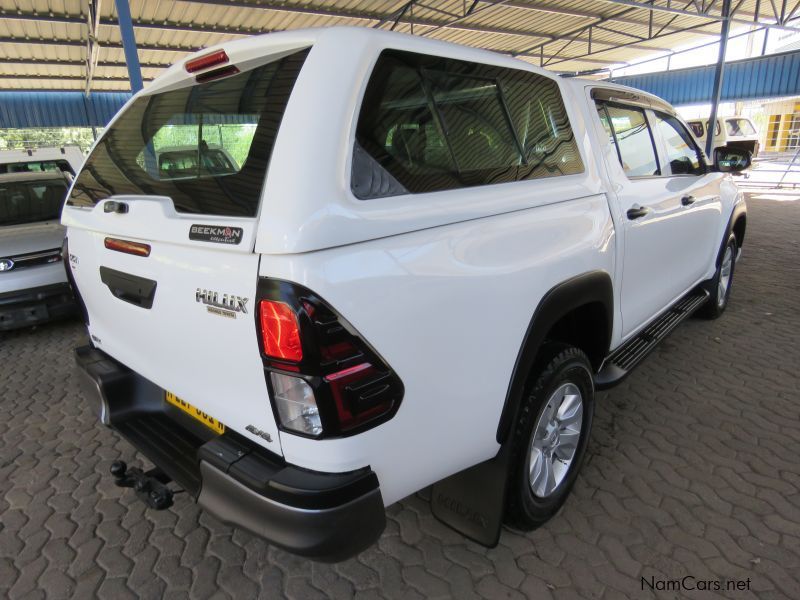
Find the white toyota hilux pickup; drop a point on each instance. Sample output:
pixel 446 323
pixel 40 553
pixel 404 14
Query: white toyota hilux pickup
pixel 421 265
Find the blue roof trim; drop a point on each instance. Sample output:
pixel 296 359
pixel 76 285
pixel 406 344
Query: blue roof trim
pixel 59 109
pixel 771 76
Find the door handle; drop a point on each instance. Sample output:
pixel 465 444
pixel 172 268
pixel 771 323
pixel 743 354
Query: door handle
pixel 687 200
pixel 636 211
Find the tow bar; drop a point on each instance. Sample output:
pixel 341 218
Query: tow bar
pixel 150 487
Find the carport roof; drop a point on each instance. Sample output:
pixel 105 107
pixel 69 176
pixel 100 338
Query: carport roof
pixel 76 44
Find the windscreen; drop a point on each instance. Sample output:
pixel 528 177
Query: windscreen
pixel 207 146
pixel 739 127
pixel 36 166
pixel 31 201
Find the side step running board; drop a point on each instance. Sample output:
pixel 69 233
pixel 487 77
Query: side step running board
pixel 619 364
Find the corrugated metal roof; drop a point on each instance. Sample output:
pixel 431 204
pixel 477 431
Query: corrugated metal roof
pixel 772 76
pixel 45 44
pixel 59 109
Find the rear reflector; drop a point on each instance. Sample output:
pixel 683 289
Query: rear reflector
pixel 207 60
pixel 280 331
pixel 216 74
pixel 127 247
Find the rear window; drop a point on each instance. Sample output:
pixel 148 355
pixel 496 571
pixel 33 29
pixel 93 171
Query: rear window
pixel 429 123
pixel 36 166
pixel 207 146
pixel 31 201
pixel 736 127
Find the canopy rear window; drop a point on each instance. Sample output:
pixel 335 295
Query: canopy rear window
pixel 207 146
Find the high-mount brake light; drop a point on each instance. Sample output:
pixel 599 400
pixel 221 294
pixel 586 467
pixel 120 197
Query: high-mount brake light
pixel 127 247
pixel 212 59
pixel 324 379
pixel 217 74
pixel 280 331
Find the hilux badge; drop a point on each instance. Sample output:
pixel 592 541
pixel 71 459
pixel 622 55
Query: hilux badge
pixel 224 305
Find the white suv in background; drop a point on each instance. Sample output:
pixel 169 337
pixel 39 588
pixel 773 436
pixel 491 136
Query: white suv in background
pixel 67 159
pixel 33 283
pixel 730 132
pixel 426 259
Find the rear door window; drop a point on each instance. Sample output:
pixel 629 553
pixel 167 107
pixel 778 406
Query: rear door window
pixel 628 129
pixel 31 201
pixel 207 146
pixel 430 124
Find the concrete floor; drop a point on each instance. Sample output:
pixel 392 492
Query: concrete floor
pixel 693 470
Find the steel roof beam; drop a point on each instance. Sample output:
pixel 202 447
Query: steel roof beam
pixel 92 46
pixel 745 18
pixel 77 63
pixel 67 78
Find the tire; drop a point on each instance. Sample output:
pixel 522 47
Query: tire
pixel 720 285
pixel 559 372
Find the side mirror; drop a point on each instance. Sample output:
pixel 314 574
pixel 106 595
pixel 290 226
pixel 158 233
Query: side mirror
pixel 731 160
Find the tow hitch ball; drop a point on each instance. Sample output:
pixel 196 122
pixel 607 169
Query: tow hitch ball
pixel 150 486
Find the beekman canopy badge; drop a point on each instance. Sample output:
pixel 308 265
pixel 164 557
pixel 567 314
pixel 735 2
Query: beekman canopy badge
pixel 219 234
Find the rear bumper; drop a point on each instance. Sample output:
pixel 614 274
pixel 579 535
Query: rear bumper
pixel 324 516
pixel 37 305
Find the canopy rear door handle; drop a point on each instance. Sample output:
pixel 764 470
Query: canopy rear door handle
pixel 636 211
pixel 129 288
pixel 687 200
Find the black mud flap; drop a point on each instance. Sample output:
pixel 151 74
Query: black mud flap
pixel 472 501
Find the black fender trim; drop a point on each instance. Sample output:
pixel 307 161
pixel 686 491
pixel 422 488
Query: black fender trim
pixel 739 210
pixel 594 286
pixel 472 501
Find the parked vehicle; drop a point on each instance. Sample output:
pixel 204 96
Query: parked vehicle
pixel 67 159
pixel 429 258
pixel 33 284
pixel 187 161
pixel 730 132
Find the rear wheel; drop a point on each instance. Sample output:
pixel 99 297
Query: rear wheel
pixel 720 285
pixel 550 437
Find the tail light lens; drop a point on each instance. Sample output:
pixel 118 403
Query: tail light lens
pixel 324 378
pixel 280 332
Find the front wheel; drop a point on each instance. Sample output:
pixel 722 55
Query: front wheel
pixel 720 285
pixel 550 437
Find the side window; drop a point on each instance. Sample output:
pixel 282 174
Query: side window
pixel 682 153
pixel 697 128
pixel 632 137
pixel 429 124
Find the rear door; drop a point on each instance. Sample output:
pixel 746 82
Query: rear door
pixel 162 251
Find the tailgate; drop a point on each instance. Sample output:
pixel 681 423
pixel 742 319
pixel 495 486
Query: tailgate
pixel 161 230
pixel 183 316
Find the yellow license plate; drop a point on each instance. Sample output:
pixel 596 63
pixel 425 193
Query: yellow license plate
pixel 198 414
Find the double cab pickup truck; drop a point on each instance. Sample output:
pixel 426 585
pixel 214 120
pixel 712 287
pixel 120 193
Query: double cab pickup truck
pixel 422 262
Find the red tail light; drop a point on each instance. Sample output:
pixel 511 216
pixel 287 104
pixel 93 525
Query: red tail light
pixel 212 59
pixel 280 332
pixel 127 247
pixel 325 380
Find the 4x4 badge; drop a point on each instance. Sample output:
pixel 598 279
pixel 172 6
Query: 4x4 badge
pixel 228 306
